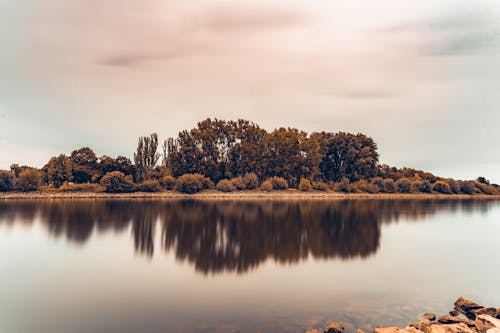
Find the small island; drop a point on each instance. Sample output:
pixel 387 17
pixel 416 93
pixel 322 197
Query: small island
pixel 237 159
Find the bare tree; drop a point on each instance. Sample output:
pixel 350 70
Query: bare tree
pixel 146 156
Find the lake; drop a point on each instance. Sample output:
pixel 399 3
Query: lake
pixel 80 266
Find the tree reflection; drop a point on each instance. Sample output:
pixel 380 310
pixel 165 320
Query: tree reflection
pixel 217 236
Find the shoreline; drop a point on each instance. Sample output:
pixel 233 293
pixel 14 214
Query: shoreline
pixel 242 195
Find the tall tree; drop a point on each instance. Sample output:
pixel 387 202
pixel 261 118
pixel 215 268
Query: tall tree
pixel 84 163
pixel 58 170
pixel 146 156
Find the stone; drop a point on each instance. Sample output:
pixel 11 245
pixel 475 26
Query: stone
pixel 454 313
pixel 467 306
pixel 498 313
pixel 411 329
pixel 488 311
pixel 493 330
pixel 427 316
pixel 334 328
pixel 360 331
pixel 445 319
pixel 485 322
pixel 450 328
pixel 424 327
pixel 314 330
pixel 391 329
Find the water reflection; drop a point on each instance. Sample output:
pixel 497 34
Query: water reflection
pixel 217 236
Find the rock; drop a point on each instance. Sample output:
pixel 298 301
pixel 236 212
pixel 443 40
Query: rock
pixel 391 329
pixel 450 328
pixel 454 313
pixel 427 316
pixel 488 311
pixel 493 330
pixel 498 313
pixel 467 306
pixel 334 328
pixel 424 327
pixel 360 331
pixel 313 330
pixel 485 322
pixel 445 319
pixel 411 329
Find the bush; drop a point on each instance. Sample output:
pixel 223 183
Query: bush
pixel 251 181
pixel 6 181
pixel 379 183
pixel 238 183
pixel 389 185
pixel 168 182
pixel 441 187
pixel 267 186
pixel 305 185
pixel 66 187
pixel 279 183
pixel 343 186
pixel 117 182
pixel 423 186
pixel 484 188
pixel 225 185
pixel 192 183
pixel 467 187
pixel 150 185
pixel 403 185
pixel 320 186
pixel 29 180
pixel 364 186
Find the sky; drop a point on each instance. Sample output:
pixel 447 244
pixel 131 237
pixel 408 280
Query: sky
pixel 420 77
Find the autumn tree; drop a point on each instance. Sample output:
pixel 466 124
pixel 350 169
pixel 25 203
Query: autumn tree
pixel 350 155
pixel 121 163
pixel 58 170
pixel 84 164
pixel 146 156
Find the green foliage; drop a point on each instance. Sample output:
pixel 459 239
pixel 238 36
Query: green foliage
pixel 192 183
pixel 66 187
pixel 267 185
pixel 6 181
pixel 441 187
pixel 28 180
pixel 305 185
pixel 168 182
pixel 225 185
pixel 150 185
pixel 117 182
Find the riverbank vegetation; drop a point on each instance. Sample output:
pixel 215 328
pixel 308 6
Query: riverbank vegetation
pixel 233 156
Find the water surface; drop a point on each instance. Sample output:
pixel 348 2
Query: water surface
pixel 79 266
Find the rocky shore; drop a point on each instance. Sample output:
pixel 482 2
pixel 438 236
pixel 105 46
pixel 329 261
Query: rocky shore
pixel 466 317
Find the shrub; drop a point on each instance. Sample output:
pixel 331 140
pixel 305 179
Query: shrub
pixel 267 186
pixel 305 185
pixel 48 189
pixel 225 185
pixel 279 183
pixel 320 186
pixel 117 182
pixel 389 185
pixel 379 183
pixel 168 182
pixel 467 187
pixel 192 183
pixel 6 181
pixel 364 186
pixel 454 186
pixel 484 188
pixel 251 181
pixel 29 180
pixel 441 187
pixel 238 183
pixel 343 186
pixel 150 185
pixel 403 185
pixel 66 187
pixel 423 186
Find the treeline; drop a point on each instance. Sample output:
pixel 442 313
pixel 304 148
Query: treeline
pixel 237 155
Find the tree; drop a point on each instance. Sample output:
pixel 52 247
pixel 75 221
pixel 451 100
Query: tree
pixel 350 155
pixel 6 181
pixel 58 170
pixel 117 182
pixel 121 163
pixel 146 156
pixel 84 163
pixel 29 180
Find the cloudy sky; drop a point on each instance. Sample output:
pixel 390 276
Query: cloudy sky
pixel 421 77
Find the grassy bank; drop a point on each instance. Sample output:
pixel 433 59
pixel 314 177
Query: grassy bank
pixel 254 194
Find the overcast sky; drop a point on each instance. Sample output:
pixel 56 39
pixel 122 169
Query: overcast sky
pixel 420 77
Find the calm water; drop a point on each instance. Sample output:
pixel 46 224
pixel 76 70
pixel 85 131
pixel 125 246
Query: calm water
pixel 202 266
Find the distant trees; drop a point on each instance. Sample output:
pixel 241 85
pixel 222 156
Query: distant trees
pixel 146 156
pixel 58 170
pixel 29 180
pixel 84 164
pixel 6 181
pixel 117 182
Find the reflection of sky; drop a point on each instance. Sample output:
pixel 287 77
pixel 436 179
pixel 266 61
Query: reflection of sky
pixel 102 286
pixel 420 78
